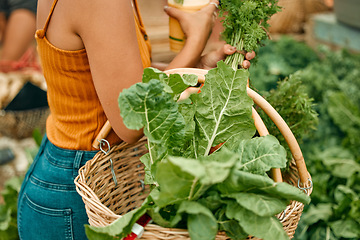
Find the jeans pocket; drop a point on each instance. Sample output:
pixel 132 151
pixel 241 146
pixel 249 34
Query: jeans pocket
pixel 38 222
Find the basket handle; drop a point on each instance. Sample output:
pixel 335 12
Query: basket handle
pixel 104 132
pixel 262 130
pixel 285 131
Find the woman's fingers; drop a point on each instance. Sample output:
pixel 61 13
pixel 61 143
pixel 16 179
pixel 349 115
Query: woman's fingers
pixel 211 7
pixel 173 12
pixel 228 49
pixel 177 14
pixel 246 64
pixel 224 51
pixel 250 55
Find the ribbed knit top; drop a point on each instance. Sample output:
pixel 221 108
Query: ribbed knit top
pixel 76 114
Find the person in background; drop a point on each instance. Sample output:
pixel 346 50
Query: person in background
pixel 90 51
pixel 17 29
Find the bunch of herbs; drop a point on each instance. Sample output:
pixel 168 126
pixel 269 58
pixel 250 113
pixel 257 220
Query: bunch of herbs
pixel 245 25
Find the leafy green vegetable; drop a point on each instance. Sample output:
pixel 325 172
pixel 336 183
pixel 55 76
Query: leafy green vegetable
pixel 332 151
pixel 291 101
pixel 245 25
pixel 251 222
pixel 227 190
pixel 257 153
pixel 223 109
pixel 8 210
pixel 202 223
pixel 277 60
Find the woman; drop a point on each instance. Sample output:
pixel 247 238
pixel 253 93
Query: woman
pixel 17 28
pixel 90 50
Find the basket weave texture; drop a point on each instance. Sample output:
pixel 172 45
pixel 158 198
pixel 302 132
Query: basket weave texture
pixel 294 14
pixel 105 201
pixel 21 124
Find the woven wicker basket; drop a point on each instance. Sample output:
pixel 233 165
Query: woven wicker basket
pixel 21 124
pixel 105 202
pixel 294 14
pixel 19 86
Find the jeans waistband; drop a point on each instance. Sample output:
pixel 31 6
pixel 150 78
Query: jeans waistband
pixel 66 158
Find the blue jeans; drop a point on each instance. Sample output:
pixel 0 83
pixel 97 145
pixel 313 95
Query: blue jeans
pixel 48 205
pixel 8 6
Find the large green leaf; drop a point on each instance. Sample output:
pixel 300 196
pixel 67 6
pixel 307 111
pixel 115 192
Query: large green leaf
pixel 230 226
pixel 201 223
pixel 120 227
pixel 173 84
pixel 223 109
pixel 217 166
pixel 340 162
pixel 176 184
pixel 348 202
pixel 239 181
pixel 5 217
pixel 184 178
pixel 267 228
pixel 179 83
pixel 322 211
pixel 187 110
pixel 288 192
pixel 153 73
pixel 262 205
pixel 249 182
pixel 258 155
pixel 345 113
pixel 147 106
pixel 346 228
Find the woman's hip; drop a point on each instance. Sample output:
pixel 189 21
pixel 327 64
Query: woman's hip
pixel 49 206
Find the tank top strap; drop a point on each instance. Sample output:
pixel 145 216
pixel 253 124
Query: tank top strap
pixel 49 17
pixel 138 17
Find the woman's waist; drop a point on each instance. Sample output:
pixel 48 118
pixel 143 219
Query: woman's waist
pixel 77 135
pixel 65 158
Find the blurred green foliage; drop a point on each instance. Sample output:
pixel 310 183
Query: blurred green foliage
pixel 287 72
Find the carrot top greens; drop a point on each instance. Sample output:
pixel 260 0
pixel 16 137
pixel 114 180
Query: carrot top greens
pixel 245 25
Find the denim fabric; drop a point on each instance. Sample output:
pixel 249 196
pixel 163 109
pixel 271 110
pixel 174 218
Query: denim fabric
pixel 8 6
pixel 48 205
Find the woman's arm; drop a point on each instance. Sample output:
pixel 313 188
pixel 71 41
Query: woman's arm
pixel 203 29
pixel 107 29
pixel 197 28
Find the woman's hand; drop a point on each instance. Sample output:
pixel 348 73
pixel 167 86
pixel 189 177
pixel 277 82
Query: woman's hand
pixel 197 27
pixel 210 59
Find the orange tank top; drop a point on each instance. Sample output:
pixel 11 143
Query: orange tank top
pixel 73 124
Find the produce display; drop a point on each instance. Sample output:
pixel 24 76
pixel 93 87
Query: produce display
pixel 11 83
pixel 329 81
